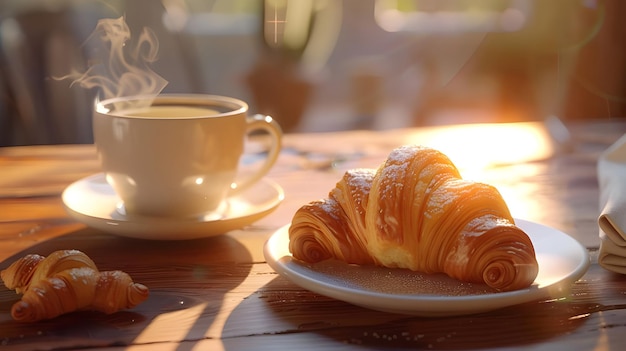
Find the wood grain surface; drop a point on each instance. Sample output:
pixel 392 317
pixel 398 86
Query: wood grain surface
pixel 219 294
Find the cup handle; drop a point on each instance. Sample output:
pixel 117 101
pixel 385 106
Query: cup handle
pixel 265 123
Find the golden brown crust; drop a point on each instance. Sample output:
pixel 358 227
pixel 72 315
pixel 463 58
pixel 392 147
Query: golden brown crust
pixel 116 291
pixel 67 281
pixel 418 214
pixel 324 234
pixel 19 273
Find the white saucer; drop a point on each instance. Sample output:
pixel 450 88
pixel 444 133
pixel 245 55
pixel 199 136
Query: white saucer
pixel 92 201
pixel 562 261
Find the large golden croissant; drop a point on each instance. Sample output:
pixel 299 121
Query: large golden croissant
pixel 416 212
pixel 67 281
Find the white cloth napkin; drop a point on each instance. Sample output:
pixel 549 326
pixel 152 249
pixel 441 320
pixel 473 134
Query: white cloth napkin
pixel 612 220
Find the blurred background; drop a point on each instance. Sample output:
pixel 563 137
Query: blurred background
pixel 324 65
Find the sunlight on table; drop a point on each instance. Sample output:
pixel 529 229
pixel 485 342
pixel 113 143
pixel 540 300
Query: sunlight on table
pixel 500 154
pixel 160 326
pixel 474 148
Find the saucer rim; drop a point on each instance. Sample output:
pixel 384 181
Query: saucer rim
pixel 162 228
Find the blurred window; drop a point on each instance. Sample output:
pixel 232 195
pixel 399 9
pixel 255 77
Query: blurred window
pixel 452 16
pixel 218 17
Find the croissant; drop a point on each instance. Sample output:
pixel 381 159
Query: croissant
pixel 416 212
pixel 67 281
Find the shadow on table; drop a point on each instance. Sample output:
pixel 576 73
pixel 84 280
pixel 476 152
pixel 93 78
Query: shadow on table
pixel 169 314
pixel 299 316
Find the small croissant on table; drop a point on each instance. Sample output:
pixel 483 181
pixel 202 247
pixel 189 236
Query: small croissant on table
pixel 67 281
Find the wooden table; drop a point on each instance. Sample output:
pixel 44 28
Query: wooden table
pixel 219 294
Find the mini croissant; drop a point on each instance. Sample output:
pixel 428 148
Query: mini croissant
pixel 67 281
pixel 416 212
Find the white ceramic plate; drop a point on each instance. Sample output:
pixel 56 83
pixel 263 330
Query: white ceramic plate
pixel 92 201
pixel 562 261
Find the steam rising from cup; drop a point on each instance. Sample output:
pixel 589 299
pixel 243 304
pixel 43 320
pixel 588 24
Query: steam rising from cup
pixel 120 70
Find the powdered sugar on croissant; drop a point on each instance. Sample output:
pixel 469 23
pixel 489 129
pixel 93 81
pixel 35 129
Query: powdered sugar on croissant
pixel 416 212
pixel 67 281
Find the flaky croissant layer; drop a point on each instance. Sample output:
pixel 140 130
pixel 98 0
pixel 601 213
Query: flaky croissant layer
pixel 67 281
pixel 416 212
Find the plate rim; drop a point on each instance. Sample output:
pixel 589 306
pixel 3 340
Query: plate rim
pixel 448 305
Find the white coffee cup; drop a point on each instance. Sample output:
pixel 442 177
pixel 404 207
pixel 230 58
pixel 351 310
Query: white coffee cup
pixel 178 155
